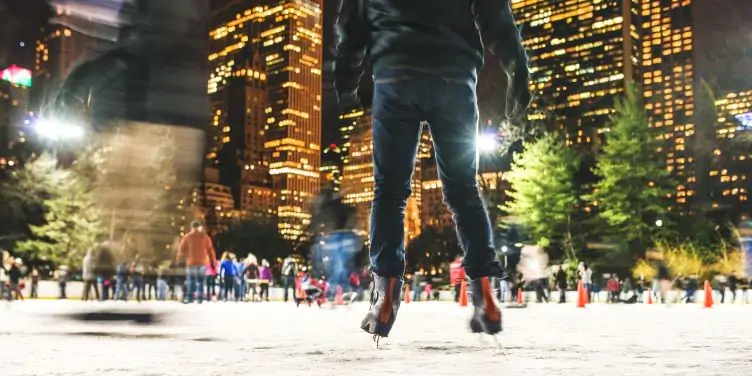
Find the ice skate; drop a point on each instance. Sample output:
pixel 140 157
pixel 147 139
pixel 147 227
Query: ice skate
pixel 487 315
pixel 385 302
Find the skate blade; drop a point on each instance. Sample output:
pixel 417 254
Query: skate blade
pixel 496 345
pixel 376 339
pixel 499 348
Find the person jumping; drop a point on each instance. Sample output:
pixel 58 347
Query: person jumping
pixel 426 56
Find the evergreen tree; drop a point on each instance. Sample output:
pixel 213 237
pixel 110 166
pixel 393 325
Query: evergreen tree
pixel 72 221
pixel 543 195
pixel 634 182
pixel 22 195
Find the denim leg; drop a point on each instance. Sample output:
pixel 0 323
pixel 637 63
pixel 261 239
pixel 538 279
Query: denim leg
pixel 191 279
pixel 396 132
pixel 200 275
pixel 454 128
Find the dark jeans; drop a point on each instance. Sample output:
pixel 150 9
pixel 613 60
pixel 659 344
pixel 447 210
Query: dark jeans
pixel 88 285
pixel 447 102
pixel 264 293
pixel 211 283
pixel 228 283
pixel 289 283
pixel 63 290
pixel 138 285
pixel 196 276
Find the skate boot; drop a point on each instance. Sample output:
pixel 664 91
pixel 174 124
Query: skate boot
pixel 487 315
pixel 385 302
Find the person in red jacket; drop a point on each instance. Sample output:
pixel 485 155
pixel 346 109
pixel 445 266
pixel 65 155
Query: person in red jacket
pixel 456 276
pixel 197 250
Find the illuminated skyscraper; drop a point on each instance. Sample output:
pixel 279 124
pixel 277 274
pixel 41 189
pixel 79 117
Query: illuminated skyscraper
pixel 357 174
pixel 238 92
pixel 668 82
pixel 583 52
pixel 286 38
pixel 291 46
pixel 732 175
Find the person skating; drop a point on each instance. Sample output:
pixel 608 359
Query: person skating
pixel 14 278
pixel 197 250
pixel 227 273
pixel 34 294
pixel 289 270
pixel 265 280
pixel 425 57
pixel 561 284
pixel 143 101
pixel 88 266
pixel 664 281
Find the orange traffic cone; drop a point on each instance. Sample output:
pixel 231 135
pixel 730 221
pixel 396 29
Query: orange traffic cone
pixel 463 294
pixel 650 296
pixel 407 294
pixel 708 295
pixel 581 295
pixel 519 295
pixel 339 300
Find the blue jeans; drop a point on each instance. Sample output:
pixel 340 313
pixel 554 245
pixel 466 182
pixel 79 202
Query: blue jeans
pixel 447 102
pixel 196 276
pixel 121 288
pixel 239 288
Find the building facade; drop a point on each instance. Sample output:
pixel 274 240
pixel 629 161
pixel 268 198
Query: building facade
pixel 272 49
pixel 583 53
pixel 291 47
pixel 732 174
pixel 237 87
pixel 668 81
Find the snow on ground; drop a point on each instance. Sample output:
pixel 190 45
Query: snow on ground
pixel 428 339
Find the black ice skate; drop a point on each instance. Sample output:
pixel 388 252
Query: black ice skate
pixel 487 315
pixel 385 302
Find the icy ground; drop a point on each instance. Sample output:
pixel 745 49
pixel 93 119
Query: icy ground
pixel 428 339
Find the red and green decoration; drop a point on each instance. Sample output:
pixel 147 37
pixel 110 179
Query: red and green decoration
pixel 17 75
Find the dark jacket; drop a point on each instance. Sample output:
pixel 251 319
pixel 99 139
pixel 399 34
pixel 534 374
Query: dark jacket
pixel 434 34
pixel 156 72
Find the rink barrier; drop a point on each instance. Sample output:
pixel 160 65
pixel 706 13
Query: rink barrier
pixel 49 290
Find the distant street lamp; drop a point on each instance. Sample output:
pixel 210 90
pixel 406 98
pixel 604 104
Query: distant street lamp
pixel 659 223
pixel 54 129
pixel 486 143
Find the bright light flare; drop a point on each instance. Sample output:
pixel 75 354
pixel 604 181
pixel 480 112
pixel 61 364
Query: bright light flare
pixel 486 143
pixel 59 130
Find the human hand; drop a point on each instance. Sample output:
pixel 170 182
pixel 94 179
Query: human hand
pixel 518 97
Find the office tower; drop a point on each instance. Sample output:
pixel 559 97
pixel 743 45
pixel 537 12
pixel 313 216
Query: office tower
pixel 284 37
pixel 583 52
pixel 237 87
pixel 733 170
pixel 668 84
pixel 291 47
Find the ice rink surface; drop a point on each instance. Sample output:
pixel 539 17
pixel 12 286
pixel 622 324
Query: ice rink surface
pixel 428 339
